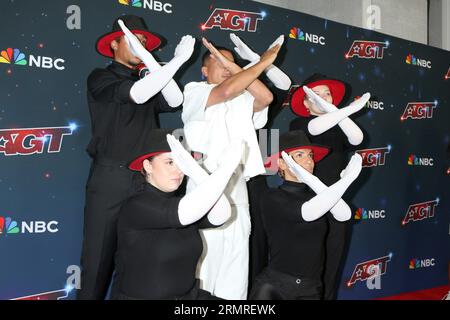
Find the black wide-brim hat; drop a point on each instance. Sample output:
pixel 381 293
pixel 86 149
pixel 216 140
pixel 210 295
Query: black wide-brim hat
pixel 295 140
pixel 136 25
pixel 337 89
pixel 153 144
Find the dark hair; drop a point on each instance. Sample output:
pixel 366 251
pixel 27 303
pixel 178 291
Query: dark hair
pixel 207 54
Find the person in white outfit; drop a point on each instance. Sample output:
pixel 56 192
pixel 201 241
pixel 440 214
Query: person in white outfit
pixel 229 105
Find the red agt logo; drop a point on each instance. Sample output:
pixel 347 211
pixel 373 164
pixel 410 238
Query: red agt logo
pixel 374 157
pixel 234 20
pixel 32 140
pixel 419 110
pixel 367 49
pixel 420 211
pixel 447 76
pixel 369 269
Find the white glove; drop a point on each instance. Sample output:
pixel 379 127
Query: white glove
pixel 278 77
pixel 335 116
pixel 208 195
pixel 327 198
pixel 170 90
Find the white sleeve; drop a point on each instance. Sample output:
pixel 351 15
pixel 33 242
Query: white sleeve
pixel 259 118
pixel 196 96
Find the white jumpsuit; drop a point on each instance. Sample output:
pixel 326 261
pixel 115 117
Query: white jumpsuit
pixel 223 268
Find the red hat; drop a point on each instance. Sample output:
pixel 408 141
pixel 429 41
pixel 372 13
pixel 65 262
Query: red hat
pixel 136 26
pixel 337 89
pixel 295 140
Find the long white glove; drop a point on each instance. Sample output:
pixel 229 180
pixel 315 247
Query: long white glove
pixel 278 77
pixel 160 78
pixel 327 198
pixel 207 196
pixel 336 116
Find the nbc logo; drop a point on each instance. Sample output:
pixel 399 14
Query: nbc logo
pixel 157 6
pixel 16 57
pixel 363 214
pixel 8 226
pixel 412 60
pixel 416 161
pixel 298 34
pixel 421 263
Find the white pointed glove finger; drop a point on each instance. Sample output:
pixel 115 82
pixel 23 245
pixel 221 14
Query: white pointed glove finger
pixel 185 48
pixel 244 51
pixel 136 47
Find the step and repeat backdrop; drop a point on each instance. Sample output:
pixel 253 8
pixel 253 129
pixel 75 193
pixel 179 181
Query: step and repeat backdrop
pixel 400 234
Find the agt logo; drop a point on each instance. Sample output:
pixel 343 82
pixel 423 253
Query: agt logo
pixel 29 141
pixel 9 226
pixel 367 49
pixel 149 4
pixel 234 20
pixel 447 76
pixel 374 157
pixel 363 214
pixel 420 211
pixel 424 263
pixel 298 34
pixel 412 60
pixel 419 110
pixel 369 271
pixel 16 57
pixel 416 161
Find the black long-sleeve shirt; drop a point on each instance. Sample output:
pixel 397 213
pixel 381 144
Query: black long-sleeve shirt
pixel 156 256
pixel 328 171
pixel 118 124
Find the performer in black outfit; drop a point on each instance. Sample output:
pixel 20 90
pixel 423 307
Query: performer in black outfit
pixel 158 239
pixel 123 109
pixel 334 92
pixel 295 221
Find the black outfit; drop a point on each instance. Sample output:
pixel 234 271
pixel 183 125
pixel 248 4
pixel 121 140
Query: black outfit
pixel 118 129
pixel 296 248
pixel 328 171
pixel 157 255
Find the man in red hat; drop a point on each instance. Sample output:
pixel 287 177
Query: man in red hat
pixel 123 109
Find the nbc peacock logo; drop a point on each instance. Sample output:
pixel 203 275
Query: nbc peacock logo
pixel 133 3
pixel 360 214
pixel 297 33
pixel 13 56
pixel 8 226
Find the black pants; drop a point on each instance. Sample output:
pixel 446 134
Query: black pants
pixel 274 285
pixel 109 184
pixel 194 294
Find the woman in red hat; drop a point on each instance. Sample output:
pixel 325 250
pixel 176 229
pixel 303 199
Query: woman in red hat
pixel 316 103
pixel 158 229
pixel 295 221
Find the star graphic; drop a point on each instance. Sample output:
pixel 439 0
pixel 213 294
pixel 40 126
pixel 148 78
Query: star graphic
pixel 218 19
pixel 4 142
pixel 357 49
pixel 359 272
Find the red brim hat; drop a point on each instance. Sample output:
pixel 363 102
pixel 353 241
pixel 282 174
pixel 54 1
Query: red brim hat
pixel 104 42
pixel 138 164
pixel 337 89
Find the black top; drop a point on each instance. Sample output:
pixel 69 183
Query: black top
pixel 156 256
pixel 329 169
pixel 119 124
pixel 296 247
